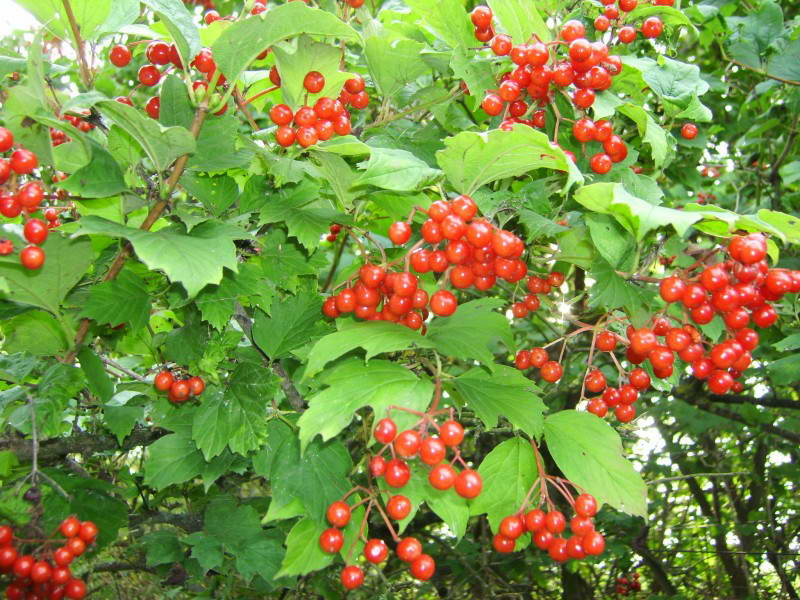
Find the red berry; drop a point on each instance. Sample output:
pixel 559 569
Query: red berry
pixel 481 17
pixel 398 507
pixel 512 527
pixel 407 443
pixel 338 514
pixel 399 233
pixel 468 484
pixel 119 56
pixel 375 550
pixel 35 231
pixel 385 431
pixel 352 577
pixel 593 543
pixel 451 433
pixel 409 549
pixel 585 505
pixel 23 162
pixel 314 81
pixel 652 27
pixel 397 473
pixel 551 371
pixel 6 140
pixel 432 451
pixel 423 567
pixel 32 257
pixel 149 75
pixel 689 130
pixel 503 544
pixel 443 303
pixel 88 532
pixel 331 540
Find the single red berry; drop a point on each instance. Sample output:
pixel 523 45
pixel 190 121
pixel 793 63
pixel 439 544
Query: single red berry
pixel 32 257
pixel 652 27
pixel 468 484
pixel 409 549
pixel 407 443
pixel 35 231
pixel 451 433
pixel 23 162
pixel 442 476
pixel 512 527
pixel 551 371
pixel 397 473
pixel 689 131
pixel 385 431
pixel 503 544
pixel 585 505
pixel 423 567
pixel 398 507
pixel 399 233
pixel 352 577
pixel 119 55
pixel 331 540
pixel 88 531
pixel 6 140
pixel 149 75
pixel 432 451
pixel 481 17
pixel 314 81
pixel 375 550
pixel 443 303
pixel 338 514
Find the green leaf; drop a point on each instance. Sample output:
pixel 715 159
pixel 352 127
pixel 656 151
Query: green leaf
pixel 611 241
pixel 395 169
pixel 217 193
pixel 788 225
pixel 508 472
pixel 337 173
pixel 161 144
pixel 194 259
pixel 589 452
pixel 216 301
pixel 754 34
pixel 317 476
pixel 636 215
pixel 212 424
pixel 37 332
pixel 375 337
pixel 784 370
pixel 206 550
pixel 575 247
pixel 232 524
pixel 172 459
pixel 307 217
pixel 651 132
pixel 506 392
pixel 538 226
pixel 611 291
pixel 292 323
pixel 243 41
pixel 162 548
pixel 100 383
pixel 217 146
pixel 262 556
pixel 303 553
pixel 124 300
pixel 66 262
pixel 353 385
pixel 100 178
pixel 470 331
pixel 16 367
pixel 8 461
pixel 393 63
pixel 89 16
pixel 295 59
pixel 283 261
pixel 120 418
pixel 447 19
pixel 786 63
pixel 346 145
pixel 471 159
pixel 476 73
pixel 791 342
pixel 451 508
pixel 668 15
pixel 520 19
pixel 250 389
pixel 175 108
pixel 179 23
pixel 675 81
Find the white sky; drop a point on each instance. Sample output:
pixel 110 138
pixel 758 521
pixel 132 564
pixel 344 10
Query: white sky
pixel 14 17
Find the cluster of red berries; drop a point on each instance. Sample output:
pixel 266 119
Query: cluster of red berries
pixel 546 528
pixel 703 197
pixel 328 117
pixel 179 390
pixel 22 199
pixel 405 445
pixel 740 290
pixel 587 66
pixel 614 16
pixel 46 577
pixel 409 549
pixel 432 451
pixel 333 234
pixel 536 285
pixel 161 54
pixel 628 585
pixel 549 370
pixel 474 254
pixel 58 137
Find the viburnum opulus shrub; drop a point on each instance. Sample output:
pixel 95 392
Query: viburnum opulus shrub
pixel 304 298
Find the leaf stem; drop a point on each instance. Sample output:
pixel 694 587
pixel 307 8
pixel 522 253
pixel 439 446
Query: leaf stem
pixel 76 33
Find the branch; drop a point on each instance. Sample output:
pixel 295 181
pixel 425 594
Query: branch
pixel 763 73
pixel 76 33
pixel 55 450
pixel 790 436
pixel 116 567
pixel 190 522
pixel 773 175
pixel 152 217
pixel 693 475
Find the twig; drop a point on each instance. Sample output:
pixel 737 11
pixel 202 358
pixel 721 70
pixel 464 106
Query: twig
pixel 85 74
pixel 422 106
pixel 237 97
pixel 110 363
pixel 763 73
